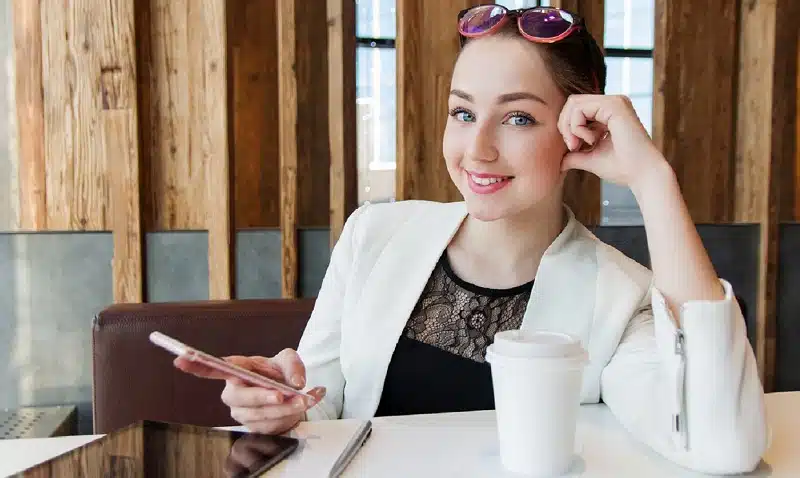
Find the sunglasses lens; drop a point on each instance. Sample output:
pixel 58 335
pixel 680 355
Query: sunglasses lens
pixel 481 19
pixel 546 23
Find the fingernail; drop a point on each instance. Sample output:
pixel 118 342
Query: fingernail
pixel 299 404
pixel 297 381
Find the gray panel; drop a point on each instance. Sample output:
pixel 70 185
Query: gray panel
pixel 733 249
pixel 315 254
pixel 630 240
pixel 56 284
pixel 258 262
pixel 177 266
pixel 787 375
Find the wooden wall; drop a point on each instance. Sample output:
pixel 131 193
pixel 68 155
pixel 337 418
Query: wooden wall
pixel 165 115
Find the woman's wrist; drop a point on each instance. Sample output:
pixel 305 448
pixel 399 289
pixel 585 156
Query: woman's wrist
pixel 655 180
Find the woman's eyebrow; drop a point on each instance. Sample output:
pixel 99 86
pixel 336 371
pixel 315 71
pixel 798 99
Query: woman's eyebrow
pixel 504 98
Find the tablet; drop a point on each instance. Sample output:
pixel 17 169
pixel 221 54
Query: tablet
pixel 159 449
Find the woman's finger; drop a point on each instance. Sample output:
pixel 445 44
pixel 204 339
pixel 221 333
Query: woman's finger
pixel 290 408
pixel 238 395
pixel 578 125
pixel 274 427
pixel 292 368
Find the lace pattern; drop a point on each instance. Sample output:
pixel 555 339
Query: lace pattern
pixel 462 318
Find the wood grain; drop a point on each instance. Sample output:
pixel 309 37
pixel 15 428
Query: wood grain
pixel 427 46
pixel 253 77
pixel 765 148
pixel 118 120
pixel 120 132
pixel 171 102
pixel 32 202
pixel 693 98
pixel 76 171
pixel 342 113
pixel 209 128
pixel 794 213
pixel 287 124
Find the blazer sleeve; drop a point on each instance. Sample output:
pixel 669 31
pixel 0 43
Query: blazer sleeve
pixel 690 390
pixel 320 344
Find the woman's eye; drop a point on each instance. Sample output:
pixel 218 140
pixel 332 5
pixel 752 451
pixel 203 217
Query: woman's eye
pixel 520 120
pixel 462 115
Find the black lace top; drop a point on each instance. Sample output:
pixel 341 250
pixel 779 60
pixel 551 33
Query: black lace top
pixel 439 362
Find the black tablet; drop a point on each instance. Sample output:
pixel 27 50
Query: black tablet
pixel 166 450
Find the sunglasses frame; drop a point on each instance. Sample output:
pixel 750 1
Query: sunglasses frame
pixel 510 15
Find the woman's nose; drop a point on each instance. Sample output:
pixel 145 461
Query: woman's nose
pixel 482 146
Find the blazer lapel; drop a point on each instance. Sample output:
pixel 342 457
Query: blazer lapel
pixel 390 293
pixel 563 295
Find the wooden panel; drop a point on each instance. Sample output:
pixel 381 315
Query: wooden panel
pixel 32 205
pixel 583 190
pixel 119 130
pixel 120 137
pixel 342 112
pixel 76 171
pixel 287 125
pixel 175 195
pixel 184 96
pixel 427 45
pixel 693 98
pixel 209 128
pixel 313 149
pixel 253 55
pixel 764 147
pixel 794 214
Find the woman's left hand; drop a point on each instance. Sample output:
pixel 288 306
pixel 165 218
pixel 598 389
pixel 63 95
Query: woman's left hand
pixel 622 150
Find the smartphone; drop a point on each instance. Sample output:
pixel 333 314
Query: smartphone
pixel 179 348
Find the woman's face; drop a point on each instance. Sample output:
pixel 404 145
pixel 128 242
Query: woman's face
pixel 501 144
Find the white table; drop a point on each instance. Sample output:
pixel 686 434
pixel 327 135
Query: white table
pixel 464 444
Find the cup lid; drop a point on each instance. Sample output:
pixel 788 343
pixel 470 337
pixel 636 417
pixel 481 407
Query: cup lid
pixel 544 344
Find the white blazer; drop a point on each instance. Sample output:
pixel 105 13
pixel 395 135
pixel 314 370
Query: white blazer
pixel 648 368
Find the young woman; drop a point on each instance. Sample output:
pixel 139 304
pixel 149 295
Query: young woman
pixel 416 290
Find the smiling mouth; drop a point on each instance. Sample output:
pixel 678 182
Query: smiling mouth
pixel 488 180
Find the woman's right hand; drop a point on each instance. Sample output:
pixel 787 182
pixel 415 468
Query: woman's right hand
pixel 260 409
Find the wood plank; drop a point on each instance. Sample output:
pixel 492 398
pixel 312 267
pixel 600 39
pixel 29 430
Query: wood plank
pixel 76 175
pixel 764 147
pixel 583 190
pixel 342 113
pixel 287 125
pixel 795 212
pixel 253 62
pixel 32 205
pixel 693 98
pixel 120 132
pixel 425 58
pixel 209 135
pixel 313 149
pixel 118 123
pixel 175 180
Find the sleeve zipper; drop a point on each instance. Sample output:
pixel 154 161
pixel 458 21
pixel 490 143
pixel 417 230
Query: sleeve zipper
pixel 679 431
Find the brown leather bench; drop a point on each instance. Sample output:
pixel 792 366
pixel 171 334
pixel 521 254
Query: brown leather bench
pixel 135 380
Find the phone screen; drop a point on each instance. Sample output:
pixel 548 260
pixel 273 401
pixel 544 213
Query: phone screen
pixel 151 448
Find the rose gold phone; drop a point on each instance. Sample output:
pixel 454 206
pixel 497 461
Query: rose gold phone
pixel 194 355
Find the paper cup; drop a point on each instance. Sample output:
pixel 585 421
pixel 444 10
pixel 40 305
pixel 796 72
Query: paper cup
pixel 537 380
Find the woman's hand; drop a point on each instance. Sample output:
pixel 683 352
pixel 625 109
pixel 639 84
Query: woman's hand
pixel 619 148
pixel 260 409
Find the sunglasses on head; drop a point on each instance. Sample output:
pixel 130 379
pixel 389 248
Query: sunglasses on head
pixel 537 24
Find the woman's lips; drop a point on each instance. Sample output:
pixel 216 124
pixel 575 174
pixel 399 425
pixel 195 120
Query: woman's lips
pixel 485 183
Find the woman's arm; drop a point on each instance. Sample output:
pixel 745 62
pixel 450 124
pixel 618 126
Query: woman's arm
pixel 321 342
pixel 683 378
pixel 682 270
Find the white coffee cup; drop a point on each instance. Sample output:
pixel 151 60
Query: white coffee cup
pixel 537 379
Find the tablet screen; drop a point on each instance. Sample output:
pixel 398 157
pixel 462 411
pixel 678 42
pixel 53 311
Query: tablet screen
pixel 168 450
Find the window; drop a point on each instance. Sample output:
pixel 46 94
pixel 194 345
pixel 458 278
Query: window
pixel 629 29
pixel 376 99
pixel 628 43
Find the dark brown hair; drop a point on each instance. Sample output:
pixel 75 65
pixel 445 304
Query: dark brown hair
pixel 576 63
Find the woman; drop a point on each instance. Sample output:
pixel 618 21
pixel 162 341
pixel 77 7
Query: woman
pixel 416 290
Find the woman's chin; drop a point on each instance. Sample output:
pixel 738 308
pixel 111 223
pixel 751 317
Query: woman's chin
pixel 486 212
